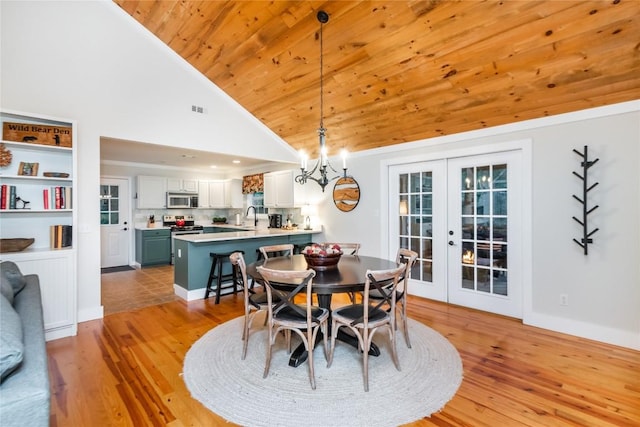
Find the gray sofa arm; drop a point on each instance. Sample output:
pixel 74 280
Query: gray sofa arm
pixel 25 394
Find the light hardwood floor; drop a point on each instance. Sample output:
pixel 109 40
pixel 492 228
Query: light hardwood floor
pixel 126 369
pixel 130 290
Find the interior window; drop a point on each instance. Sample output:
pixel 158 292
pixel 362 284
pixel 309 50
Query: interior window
pixel 257 200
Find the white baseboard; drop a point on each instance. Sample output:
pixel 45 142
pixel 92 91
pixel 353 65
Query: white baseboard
pixel 591 331
pixel 92 313
pixel 61 332
pixel 196 294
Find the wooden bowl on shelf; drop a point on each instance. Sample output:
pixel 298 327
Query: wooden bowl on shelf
pixel 15 245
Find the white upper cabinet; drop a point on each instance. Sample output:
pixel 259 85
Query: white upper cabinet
pixel 216 194
pixel 220 194
pixel 233 193
pixel 203 194
pixel 281 190
pixel 180 185
pixel 151 192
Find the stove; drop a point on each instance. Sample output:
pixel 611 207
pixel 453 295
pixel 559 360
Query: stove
pixel 189 223
pixel 189 227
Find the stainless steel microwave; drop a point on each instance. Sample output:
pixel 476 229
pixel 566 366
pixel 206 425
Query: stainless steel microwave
pixel 182 200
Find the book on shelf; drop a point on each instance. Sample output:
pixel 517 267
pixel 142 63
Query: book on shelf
pixel 12 197
pixel 3 196
pixel 60 197
pixel 60 236
pixel 7 196
pixel 67 197
pixel 45 198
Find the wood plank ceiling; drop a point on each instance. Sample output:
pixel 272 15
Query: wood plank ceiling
pixel 399 71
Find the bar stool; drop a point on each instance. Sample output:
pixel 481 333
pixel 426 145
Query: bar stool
pixel 216 274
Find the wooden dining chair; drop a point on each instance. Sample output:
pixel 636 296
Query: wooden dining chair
pixel 364 319
pixel 347 248
pixel 265 252
pixel 276 250
pixel 303 319
pixel 253 302
pixel 406 258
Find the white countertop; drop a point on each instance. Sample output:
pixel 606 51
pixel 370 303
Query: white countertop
pixel 239 235
pixel 159 226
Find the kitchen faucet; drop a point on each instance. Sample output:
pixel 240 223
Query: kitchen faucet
pixel 255 215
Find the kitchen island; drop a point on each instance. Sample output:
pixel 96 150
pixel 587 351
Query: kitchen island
pixel 193 262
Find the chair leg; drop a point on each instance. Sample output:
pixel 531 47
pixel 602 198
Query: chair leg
pixel 365 359
pixel 267 363
pixel 394 351
pixel 334 333
pixel 245 335
pixel 405 325
pixel 324 331
pixel 287 334
pixel 310 346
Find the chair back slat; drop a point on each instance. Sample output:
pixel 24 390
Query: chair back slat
pixel 347 248
pixel 285 249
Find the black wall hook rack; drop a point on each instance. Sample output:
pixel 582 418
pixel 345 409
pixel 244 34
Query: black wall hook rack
pixel 586 234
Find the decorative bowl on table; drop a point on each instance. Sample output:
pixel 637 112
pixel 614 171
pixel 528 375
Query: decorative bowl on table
pixel 322 257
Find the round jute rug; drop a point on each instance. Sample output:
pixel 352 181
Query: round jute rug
pixel 431 372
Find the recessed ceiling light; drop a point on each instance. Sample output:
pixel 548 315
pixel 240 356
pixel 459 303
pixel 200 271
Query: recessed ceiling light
pixel 236 161
pixel 213 166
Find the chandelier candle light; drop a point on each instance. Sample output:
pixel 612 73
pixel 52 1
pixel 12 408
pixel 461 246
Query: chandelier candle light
pixel 323 162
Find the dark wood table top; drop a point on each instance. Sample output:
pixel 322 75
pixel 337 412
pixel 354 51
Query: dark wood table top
pixel 348 276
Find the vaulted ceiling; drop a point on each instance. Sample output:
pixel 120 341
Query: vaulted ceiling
pixel 399 71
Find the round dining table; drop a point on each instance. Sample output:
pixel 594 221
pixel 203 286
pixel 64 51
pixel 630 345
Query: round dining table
pixel 349 275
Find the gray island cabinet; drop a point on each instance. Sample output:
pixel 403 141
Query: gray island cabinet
pixel 192 261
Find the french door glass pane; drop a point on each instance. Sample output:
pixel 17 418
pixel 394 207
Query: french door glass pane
pixel 416 218
pixel 109 204
pixel 484 229
pixel 404 184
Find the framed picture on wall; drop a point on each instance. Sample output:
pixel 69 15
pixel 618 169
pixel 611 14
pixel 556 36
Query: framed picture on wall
pixel 28 169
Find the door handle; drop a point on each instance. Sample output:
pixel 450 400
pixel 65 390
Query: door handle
pixel 451 243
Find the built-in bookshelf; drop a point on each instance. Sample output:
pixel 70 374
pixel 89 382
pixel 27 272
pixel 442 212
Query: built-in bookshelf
pixel 37 200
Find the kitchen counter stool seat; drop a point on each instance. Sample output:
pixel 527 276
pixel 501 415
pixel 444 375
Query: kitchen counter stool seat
pixel 217 276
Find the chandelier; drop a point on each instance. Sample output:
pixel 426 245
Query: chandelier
pixel 323 165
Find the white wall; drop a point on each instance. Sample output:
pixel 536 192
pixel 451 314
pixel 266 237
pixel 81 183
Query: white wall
pixel 604 286
pixel 90 62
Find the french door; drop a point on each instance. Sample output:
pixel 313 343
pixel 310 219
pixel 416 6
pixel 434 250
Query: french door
pixel 461 215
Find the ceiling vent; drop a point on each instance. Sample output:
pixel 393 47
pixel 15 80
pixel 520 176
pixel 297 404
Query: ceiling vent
pixel 198 109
